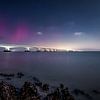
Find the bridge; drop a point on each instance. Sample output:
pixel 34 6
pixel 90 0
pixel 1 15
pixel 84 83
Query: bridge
pixel 11 47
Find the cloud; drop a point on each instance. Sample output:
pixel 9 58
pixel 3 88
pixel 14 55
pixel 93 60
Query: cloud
pixel 78 33
pixel 39 33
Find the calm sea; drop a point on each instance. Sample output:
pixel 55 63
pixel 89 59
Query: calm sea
pixel 75 69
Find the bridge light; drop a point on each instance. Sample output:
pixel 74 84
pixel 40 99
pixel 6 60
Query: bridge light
pixel 7 47
pixel 28 48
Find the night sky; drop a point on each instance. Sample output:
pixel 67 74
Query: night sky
pixel 68 24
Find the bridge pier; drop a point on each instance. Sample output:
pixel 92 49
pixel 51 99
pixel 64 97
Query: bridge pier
pixel 27 49
pixel 7 48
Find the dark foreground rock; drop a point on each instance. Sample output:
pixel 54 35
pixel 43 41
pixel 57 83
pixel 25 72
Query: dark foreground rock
pixel 31 91
pixel 7 91
pixel 78 92
pixel 96 91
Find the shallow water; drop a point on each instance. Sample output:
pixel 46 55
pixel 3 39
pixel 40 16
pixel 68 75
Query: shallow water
pixel 76 69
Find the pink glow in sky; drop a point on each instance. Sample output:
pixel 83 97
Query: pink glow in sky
pixel 20 34
pixel 14 34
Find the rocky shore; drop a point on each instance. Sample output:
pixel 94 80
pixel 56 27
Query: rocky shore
pixel 37 90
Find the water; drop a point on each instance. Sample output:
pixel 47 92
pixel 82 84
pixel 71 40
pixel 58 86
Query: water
pixel 76 70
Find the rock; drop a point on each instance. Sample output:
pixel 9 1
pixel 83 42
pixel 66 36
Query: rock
pixel 96 91
pixel 36 79
pixel 7 91
pixel 45 87
pixel 6 75
pixel 8 78
pixel 20 75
